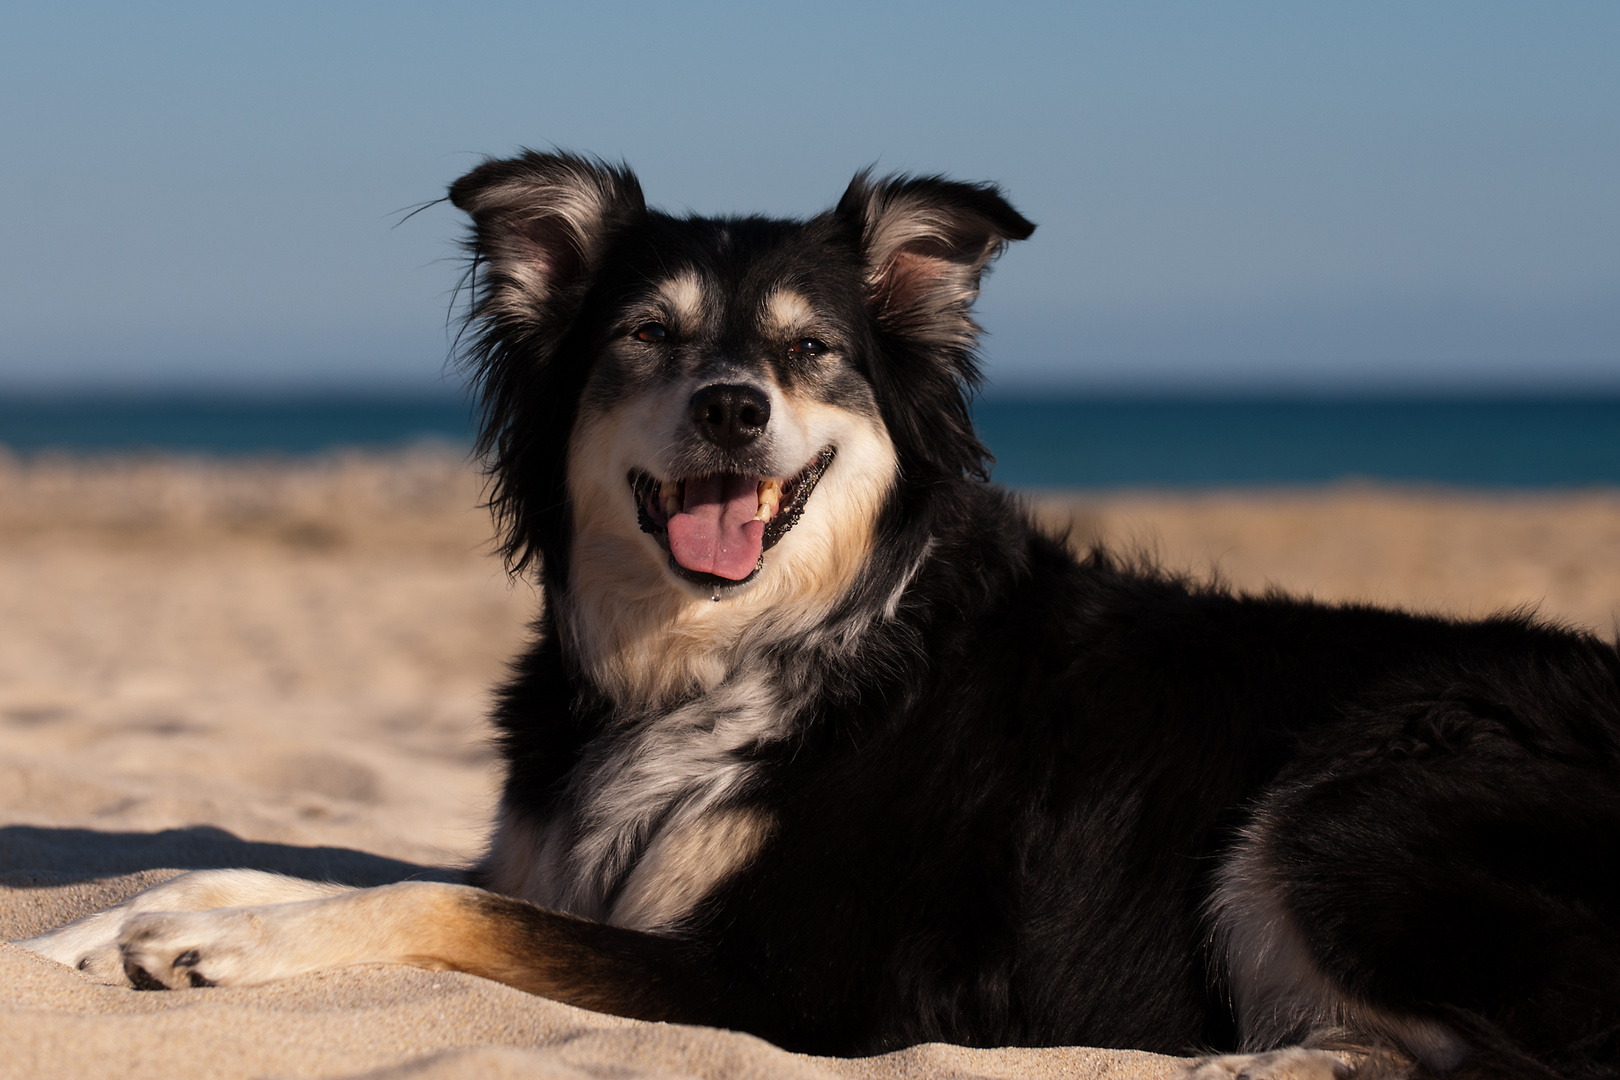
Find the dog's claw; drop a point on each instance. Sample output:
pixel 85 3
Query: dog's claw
pixel 139 979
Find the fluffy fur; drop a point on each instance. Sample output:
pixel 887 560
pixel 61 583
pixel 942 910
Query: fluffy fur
pixel 921 773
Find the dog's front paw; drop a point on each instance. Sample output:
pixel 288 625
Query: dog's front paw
pixel 175 950
pixel 90 946
pixel 95 944
pixel 1293 1063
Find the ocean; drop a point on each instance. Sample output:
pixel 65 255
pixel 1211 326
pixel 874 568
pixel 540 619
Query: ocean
pixel 1057 442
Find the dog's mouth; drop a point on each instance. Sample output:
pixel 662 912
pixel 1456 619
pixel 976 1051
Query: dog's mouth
pixel 717 528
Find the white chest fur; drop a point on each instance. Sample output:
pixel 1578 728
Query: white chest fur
pixel 650 824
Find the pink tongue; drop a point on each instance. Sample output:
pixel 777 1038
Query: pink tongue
pixel 715 533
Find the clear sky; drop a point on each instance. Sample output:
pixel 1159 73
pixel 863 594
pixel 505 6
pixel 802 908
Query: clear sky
pixel 1230 195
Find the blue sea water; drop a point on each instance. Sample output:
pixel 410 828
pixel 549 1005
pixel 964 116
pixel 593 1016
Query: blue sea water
pixel 1100 442
pixel 1196 442
pixel 229 426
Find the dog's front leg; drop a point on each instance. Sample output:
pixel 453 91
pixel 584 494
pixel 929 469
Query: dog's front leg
pixel 428 925
pixel 91 944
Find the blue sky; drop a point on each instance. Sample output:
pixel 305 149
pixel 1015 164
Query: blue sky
pixel 1230 196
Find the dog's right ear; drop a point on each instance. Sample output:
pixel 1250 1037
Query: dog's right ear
pixel 540 224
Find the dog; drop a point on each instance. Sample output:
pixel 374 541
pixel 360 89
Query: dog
pixel 819 737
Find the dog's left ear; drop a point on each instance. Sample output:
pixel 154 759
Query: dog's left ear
pixel 927 241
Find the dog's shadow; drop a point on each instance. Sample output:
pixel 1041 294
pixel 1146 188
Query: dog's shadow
pixel 49 876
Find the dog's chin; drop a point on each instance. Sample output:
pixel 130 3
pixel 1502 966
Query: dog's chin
pixel 714 585
pixel 709 516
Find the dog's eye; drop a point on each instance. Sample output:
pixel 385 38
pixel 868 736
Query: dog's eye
pixel 652 333
pixel 808 346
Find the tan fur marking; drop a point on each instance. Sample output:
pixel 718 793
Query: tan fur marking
pixel 679 870
pixel 683 298
pixel 787 312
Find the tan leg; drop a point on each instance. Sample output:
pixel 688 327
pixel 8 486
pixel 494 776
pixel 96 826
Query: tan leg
pixel 427 925
pixel 417 923
pixel 91 943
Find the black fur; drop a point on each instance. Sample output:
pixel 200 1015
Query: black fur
pixel 1007 806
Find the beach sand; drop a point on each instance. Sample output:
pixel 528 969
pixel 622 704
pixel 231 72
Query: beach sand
pixel 286 665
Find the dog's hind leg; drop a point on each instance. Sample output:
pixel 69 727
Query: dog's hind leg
pixel 1454 901
pixel 91 944
pixel 427 925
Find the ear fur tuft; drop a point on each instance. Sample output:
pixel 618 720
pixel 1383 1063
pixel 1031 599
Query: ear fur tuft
pixel 540 224
pixel 927 242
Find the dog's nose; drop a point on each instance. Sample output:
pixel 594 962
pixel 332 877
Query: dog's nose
pixel 730 416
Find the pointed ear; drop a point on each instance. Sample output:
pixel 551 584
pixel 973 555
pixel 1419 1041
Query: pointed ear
pixel 927 241
pixel 540 225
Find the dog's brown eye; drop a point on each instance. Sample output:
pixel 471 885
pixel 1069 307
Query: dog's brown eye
pixel 809 346
pixel 651 333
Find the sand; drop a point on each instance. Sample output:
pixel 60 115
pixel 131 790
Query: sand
pixel 286 665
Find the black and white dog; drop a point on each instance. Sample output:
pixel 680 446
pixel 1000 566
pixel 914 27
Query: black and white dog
pixel 820 738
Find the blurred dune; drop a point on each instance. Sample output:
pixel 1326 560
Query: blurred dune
pixel 286 664
pixel 1446 551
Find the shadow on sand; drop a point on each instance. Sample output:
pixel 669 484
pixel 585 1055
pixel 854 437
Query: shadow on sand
pixel 35 857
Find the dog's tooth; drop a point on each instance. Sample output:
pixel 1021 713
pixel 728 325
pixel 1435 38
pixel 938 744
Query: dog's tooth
pixel 770 500
pixel 669 497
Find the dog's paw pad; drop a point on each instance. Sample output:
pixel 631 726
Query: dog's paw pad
pixel 165 951
pixel 140 980
pixel 187 962
pixel 1293 1063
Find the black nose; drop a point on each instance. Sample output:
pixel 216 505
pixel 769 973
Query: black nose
pixel 730 416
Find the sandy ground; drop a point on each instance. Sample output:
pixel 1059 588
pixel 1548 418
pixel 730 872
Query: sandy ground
pixel 286 665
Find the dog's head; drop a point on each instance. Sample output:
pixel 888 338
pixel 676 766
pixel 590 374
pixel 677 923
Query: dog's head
pixel 685 409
